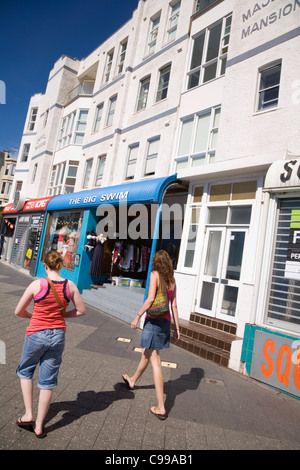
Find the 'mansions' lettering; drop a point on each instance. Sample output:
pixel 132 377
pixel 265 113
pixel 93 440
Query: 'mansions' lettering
pixel 270 19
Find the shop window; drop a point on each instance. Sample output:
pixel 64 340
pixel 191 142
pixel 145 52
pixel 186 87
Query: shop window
pixel 198 194
pixel 209 54
pixel 62 234
pixel 269 87
pixel 284 296
pixel 234 215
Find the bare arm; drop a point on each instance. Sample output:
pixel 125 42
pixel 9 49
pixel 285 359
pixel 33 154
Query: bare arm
pixel 174 309
pixel 21 309
pixel 150 298
pixel 79 309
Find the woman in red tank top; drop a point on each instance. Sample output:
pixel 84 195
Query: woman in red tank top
pixel 45 337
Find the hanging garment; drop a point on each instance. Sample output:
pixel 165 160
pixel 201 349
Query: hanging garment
pixel 97 260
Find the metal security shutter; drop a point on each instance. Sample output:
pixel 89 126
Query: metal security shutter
pixel 284 296
pixel 19 244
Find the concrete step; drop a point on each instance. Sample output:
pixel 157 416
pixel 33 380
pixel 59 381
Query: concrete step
pixel 120 302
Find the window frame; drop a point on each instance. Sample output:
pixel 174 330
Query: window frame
pixel 163 71
pixel 100 164
pixel 25 153
pixel 153 33
pixel 131 160
pixel 111 110
pixel 151 156
pixel 143 93
pixel 32 118
pixel 197 75
pixel 262 73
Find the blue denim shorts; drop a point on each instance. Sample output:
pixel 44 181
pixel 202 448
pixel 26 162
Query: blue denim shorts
pixel 44 348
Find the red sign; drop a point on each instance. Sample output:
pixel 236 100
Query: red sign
pixel 32 205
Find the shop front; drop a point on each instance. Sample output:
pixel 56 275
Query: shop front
pixel 22 225
pixel 271 346
pixel 110 234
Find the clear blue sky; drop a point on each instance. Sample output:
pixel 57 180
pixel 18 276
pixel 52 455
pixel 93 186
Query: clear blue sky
pixel 34 34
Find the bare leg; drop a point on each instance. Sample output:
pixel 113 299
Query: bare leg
pixel 43 407
pixel 143 364
pixel 158 382
pixel 27 391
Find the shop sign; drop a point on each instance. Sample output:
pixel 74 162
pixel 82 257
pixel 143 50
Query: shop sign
pixel 36 204
pixel 276 361
pixel 283 174
pixel 292 265
pixel 32 205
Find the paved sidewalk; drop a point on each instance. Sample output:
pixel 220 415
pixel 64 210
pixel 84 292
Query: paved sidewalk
pixel 209 407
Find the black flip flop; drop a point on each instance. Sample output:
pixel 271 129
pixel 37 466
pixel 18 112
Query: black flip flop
pixel 24 424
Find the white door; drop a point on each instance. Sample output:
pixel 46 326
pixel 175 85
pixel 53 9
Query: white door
pixel 220 277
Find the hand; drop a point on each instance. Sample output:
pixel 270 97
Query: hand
pixel 176 334
pixel 135 322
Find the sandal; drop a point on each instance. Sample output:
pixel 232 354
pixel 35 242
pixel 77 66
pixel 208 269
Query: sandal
pixel 24 424
pixel 41 436
pixel 160 416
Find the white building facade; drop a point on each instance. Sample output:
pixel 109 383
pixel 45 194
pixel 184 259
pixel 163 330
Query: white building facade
pixel 207 90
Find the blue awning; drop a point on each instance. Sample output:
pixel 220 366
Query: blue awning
pixel 139 192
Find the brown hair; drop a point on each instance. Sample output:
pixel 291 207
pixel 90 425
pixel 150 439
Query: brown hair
pixel 163 264
pixel 53 260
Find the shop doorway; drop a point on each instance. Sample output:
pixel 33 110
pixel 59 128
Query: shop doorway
pixel 221 272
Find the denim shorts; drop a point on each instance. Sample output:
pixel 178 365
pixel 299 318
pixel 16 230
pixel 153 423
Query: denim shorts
pixel 44 348
pixel 156 334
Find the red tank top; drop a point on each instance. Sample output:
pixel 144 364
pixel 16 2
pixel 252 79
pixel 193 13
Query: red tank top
pixel 46 312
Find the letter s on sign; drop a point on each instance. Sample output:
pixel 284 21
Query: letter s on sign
pixel 267 371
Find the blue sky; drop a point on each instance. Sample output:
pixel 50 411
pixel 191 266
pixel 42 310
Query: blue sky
pixel 34 34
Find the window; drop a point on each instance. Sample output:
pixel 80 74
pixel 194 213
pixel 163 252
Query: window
pixel 25 152
pixel 173 21
pixel 80 127
pixel 192 237
pixel 111 111
pixel 13 169
pixel 3 188
pixel 62 234
pixel 154 25
pixel 151 158
pixel 131 161
pixel 9 186
pixel 98 117
pixel 32 119
pixel 122 54
pixel 109 60
pixel 269 87
pixel 66 130
pixel 209 54
pixel 7 169
pixel 283 309
pixel 100 170
pixel 87 175
pixel 163 84
pixel 198 139
pixel 143 93
pixel 58 184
